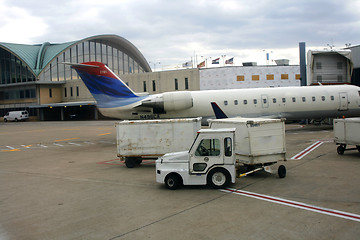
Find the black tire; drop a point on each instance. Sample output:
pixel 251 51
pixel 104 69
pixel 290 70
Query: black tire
pixel 172 181
pixel 130 162
pixel 218 178
pixel 358 147
pixel 282 171
pixel 16 120
pixel 5 120
pixel 340 150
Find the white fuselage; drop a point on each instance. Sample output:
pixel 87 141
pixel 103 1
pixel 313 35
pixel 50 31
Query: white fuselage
pixel 283 102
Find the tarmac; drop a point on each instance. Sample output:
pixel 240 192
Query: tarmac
pixel 62 180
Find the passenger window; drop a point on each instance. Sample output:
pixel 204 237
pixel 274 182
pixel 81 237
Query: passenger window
pixel 264 101
pixel 235 102
pixel 294 99
pixel 313 99
pixel 255 101
pixel 245 102
pixel 208 147
pixel 284 100
pixel 304 99
pixel 332 98
pixel 274 100
pixel 228 147
pixel 323 98
pixel 225 103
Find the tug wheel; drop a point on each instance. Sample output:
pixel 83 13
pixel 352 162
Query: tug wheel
pixel 218 178
pixel 172 181
pixel 282 171
pixel 340 149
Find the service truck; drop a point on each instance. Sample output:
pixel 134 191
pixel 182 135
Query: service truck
pixel 214 154
pixel 149 139
pixel 347 132
pixel 210 160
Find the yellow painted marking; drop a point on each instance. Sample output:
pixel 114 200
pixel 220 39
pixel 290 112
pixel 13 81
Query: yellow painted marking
pixel 67 139
pixel 102 134
pixel 11 150
pixel 27 146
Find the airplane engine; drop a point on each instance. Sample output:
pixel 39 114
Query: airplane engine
pixel 170 101
pixel 174 101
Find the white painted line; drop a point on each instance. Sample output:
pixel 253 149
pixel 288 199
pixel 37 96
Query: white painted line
pixel 326 211
pixel 74 144
pixel 307 150
pixel 10 147
pixel 59 145
pixel 89 142
pixel 42 145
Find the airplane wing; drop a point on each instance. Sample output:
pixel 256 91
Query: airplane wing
pixel 219 113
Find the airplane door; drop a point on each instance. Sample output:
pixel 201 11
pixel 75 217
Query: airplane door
pixel 264 101
pixel 343 101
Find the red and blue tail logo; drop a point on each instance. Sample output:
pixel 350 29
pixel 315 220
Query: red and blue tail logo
pixel 107 89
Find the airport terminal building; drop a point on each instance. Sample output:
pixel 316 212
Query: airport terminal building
pixel 33 77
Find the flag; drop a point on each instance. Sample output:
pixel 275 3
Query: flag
pixel 230 61
pixel 187 64
pixel 202 64
pixel 215 61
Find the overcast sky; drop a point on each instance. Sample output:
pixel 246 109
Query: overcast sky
pixel 176 31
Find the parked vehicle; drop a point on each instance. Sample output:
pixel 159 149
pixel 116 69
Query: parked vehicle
pixel 210 160
pixel 149 139
pixel 347 132
pixel 214 154
pixel 16 116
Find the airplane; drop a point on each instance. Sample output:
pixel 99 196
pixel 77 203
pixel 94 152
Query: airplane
pixel 116 100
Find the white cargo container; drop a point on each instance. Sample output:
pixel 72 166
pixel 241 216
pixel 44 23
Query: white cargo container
pixel 259 142
pixel 150 139
pixel 347 132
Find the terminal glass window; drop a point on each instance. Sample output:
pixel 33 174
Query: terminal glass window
pixel 208 147
pixel 186 83
pixel 176 84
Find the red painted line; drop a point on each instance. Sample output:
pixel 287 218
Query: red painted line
pixel 350 216
pixel 121 163
pixel 307 150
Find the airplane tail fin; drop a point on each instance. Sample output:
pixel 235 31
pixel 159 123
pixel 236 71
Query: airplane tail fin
pixel 102 83
pixel 219 114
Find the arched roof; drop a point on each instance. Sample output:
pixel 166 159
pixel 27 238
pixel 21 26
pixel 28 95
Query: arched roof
pixel 38 56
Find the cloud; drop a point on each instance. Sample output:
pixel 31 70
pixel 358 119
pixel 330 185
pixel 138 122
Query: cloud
pixel 170 31
pixel 17 25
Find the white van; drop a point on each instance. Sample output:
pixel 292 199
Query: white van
pixel 16 116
